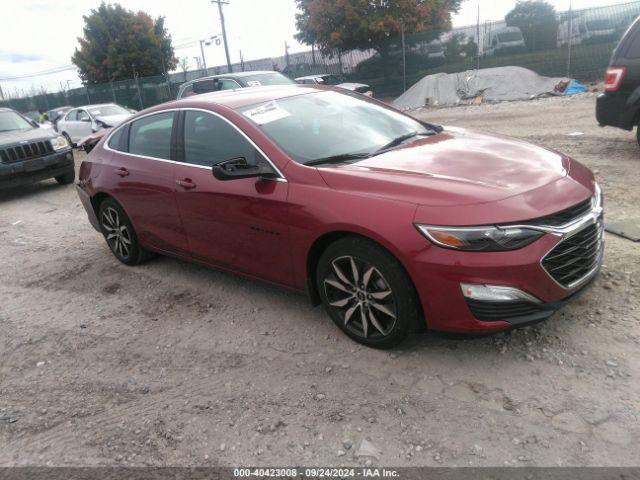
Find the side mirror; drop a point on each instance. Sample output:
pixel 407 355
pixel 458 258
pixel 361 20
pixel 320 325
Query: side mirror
pixel 238 168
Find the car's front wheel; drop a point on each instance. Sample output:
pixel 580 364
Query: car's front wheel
pixel 367 292
pixel 119 233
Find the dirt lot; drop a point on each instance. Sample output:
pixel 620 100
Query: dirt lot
pixel 173 364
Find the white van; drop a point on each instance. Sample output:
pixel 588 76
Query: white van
pixel 504 40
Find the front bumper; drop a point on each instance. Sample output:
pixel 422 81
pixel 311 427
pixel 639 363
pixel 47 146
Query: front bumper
pixel 438 274
pixel 36 169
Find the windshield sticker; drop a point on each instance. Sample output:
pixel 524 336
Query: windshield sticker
pixel 254 83
pixel 267 113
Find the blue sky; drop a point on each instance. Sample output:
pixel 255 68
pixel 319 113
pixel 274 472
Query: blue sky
pixel 38 35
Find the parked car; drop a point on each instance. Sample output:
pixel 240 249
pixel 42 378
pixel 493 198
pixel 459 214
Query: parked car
pixel 29 154
pixel 81 122
pixel 391 223
pixel 232 81
pixel 56 114
pixel 503 41
pixel 619 105
pixel 335 80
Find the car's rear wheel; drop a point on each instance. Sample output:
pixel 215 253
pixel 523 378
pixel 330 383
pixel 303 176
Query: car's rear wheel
pixel 119 233
pixel 367 292
pixel 67 178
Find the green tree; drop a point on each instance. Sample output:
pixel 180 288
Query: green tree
pixel 118 41
pixel 538 23
pixel 343 25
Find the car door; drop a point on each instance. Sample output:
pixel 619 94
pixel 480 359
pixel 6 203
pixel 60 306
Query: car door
pixel 67 124
pixel 141 166
pixel 82 127
pixel 239 224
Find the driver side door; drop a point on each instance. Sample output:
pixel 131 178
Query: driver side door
pixel 238 224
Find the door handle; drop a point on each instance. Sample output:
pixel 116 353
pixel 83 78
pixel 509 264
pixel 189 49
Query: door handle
pixel 123 172
pixel 187 184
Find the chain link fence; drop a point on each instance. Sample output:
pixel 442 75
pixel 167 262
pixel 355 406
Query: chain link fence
pixel 576 44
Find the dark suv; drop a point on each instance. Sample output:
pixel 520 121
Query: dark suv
pixel 29 154
pixel 619 106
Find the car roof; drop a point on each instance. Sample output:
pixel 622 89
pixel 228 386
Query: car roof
pixel 94 105
pixel 235 75
pixel 319 75
pixel 243 97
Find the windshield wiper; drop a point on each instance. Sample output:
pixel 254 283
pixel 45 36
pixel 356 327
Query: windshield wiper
pixel 399 140
pixel 345 157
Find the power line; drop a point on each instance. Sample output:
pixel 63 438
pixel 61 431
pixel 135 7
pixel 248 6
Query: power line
pixel 41 73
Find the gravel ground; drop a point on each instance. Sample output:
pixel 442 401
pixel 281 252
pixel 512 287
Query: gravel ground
pixel 173 364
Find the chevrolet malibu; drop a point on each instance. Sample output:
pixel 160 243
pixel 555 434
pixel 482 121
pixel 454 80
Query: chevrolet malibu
pixel 391 223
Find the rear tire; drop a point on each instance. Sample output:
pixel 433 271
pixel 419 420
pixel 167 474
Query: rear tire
pixel 67 178
pixel 367 293
pixel 119 233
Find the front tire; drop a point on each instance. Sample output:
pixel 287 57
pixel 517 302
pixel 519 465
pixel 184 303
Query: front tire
pixel 367 293
pixel 119 233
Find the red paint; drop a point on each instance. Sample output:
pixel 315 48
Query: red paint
pixel 265 229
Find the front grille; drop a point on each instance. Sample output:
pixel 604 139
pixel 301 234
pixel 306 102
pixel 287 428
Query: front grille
pixel 562 217
pixel 501 310
pixel 26 151
pixel 575 257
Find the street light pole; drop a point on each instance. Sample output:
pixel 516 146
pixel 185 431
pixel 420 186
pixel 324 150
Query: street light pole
pixel 224 31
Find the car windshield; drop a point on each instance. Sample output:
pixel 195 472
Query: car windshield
pixel 10 121
pixel 510 37
pixel 107 110
pixel 329 124
pixel 262 79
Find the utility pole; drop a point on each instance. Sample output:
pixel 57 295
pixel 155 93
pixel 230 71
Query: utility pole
pixel 204 60
pixel 478 34
pixel 224 31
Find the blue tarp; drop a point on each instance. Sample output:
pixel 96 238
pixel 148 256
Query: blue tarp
pixel 574 88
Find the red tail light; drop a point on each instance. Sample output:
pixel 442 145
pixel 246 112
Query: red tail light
pixel 613 78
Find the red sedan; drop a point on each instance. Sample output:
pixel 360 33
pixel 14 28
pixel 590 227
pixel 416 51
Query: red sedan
pixel 391 223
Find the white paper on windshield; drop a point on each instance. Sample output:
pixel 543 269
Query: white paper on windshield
pixel 254 83
pixel 267 113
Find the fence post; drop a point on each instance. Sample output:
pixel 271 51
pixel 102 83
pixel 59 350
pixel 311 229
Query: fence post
pixel 139 92
pixel 86 89
pixel 113 93
pixel 404 59
pixel 570 39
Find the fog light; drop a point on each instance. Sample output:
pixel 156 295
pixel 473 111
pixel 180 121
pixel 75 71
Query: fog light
pixel 495 293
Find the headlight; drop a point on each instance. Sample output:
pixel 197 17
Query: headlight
pixel 480 239
pixel 59 143
pixel 598 200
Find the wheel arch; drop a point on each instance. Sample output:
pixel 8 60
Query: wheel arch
pixel 328 238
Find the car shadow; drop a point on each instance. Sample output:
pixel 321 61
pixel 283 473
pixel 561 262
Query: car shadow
pixel 40 188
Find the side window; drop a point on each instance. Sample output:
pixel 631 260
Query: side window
pixel 83 116
pixel 226 84
pixel 151 136
pixel 187 92
pixel 209 139
pixel 116 140
pixel 633 50
pixel 72 116
pixel 205 86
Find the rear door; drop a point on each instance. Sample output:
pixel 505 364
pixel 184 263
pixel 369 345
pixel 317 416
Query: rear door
pixel 237 224
pixel 141 165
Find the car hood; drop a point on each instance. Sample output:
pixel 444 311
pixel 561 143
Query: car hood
pixel 13 137
pixel 113 120
pixel 462 167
